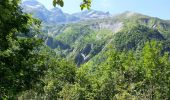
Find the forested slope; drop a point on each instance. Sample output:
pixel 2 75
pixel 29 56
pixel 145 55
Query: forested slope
pixel 120 57
pixel 105 58
pixel 128 31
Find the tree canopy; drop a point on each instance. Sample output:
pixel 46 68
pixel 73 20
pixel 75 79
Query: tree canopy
pixel 21 64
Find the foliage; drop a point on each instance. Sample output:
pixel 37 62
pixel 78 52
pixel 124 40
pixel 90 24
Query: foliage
pixel 59 74
pixel 124 76
pixel 31 70
pixel 135 37
pixel 84 4
pixel 123 32
pixel 120 76
pixel 21 64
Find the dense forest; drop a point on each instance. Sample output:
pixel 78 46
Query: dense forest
pixel 122 57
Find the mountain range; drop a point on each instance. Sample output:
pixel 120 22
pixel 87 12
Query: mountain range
pixel 56 15
pixel 84 36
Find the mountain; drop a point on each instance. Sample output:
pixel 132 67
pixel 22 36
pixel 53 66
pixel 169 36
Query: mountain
pixel 94 31
pixel 91 14
pixel 87 39
pixel 126 56
pixel 56 15
pixel 53 16
pixel 36 9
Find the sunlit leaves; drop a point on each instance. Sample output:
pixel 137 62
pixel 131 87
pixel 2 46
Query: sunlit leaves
pixel 58 2
pixel 86 4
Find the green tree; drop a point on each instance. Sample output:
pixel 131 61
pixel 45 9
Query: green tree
pixel 21 64
pixel 155 64
pixel 122 75
pixel 60 75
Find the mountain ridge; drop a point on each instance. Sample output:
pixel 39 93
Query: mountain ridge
pixel 126 31
pixel 82 37
pixel 56 15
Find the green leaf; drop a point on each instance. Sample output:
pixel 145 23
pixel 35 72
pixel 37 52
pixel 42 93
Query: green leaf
pixel 58 2
pixel 54 3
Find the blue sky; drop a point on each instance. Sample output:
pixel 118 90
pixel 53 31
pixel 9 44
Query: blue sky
pixel 155 8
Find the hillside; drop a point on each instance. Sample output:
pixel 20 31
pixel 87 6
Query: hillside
pixel 127 31
pixel 47 54
pixel 83 35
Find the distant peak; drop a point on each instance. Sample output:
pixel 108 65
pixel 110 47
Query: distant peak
pixel 128 14
pixel 92 10
pixel 31 2
pixel 56 10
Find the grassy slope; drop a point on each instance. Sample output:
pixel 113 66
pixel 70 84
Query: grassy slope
pixel 126 31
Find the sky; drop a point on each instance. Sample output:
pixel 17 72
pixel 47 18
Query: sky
pixel 154 8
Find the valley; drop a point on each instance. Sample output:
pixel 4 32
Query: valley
pixel 47 54
pixel 92 31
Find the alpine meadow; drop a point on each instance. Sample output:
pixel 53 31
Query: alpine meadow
pixel 52 54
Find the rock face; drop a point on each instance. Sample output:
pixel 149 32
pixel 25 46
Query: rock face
pixel 52 43
pixel 56 15
pixel 91 14
pixel 36 9
pixel 114 27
